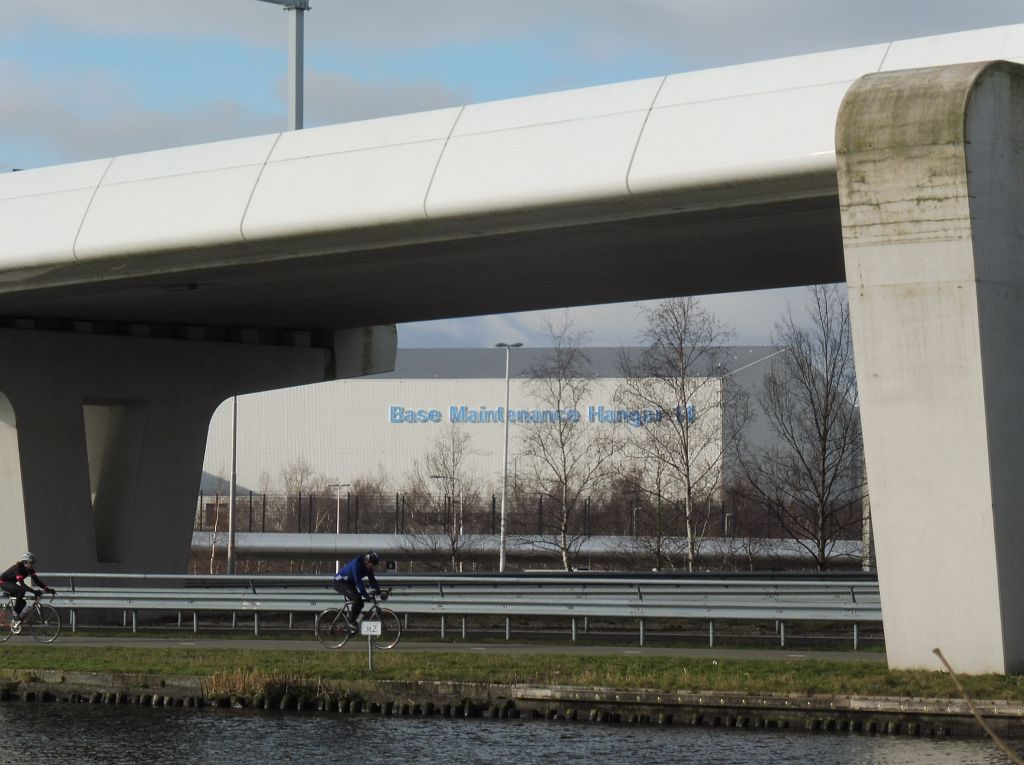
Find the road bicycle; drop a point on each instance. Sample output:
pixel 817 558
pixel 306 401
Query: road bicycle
pixel 40 620
pixel 333 630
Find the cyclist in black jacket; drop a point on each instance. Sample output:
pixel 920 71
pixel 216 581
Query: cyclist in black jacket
pixel 12 581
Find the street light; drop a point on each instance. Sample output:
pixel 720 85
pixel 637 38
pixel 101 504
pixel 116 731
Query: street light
pixel 295 57
pixel 296 22
pixel 337 518
pixel 504 458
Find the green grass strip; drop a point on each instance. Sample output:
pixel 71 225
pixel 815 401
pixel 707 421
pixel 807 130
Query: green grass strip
pixel 242 670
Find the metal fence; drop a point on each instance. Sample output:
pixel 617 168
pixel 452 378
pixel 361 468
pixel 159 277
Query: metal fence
pixel 402 513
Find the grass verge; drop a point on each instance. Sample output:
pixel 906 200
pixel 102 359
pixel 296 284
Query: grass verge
pixel 247 671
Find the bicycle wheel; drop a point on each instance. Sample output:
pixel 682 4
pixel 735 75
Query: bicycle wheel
pixel 390 629
pixel 44 623
pixel 331 628
pixel 5 624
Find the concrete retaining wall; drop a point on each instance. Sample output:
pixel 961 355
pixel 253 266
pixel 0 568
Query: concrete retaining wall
pixel 892 716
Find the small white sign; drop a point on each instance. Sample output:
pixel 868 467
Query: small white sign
pixel 369 628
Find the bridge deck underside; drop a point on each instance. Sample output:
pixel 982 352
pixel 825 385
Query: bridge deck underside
pixel 740 248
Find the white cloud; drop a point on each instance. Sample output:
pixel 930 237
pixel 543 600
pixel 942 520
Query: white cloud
pixel 712 33
pixel 332 98
pixel 752 316
pixel 244 19
pixel 709 30
pixel 394 25
pixel 92 114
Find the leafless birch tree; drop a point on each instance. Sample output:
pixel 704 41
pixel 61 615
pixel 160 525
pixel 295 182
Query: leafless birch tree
pixel 690 415
pixel 565 458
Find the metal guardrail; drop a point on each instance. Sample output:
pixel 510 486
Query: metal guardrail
pixel 840 598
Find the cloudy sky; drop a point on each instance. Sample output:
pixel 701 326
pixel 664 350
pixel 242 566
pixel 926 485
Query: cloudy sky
pixel 81 79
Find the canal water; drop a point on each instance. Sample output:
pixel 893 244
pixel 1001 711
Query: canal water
pixel 83 734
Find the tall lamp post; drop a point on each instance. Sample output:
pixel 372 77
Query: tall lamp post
pixel 234 480
pixel 296 24
pixel 295 80
pixel 504 459
pixel 337 517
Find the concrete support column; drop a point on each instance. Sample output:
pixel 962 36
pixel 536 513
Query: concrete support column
pixel 931 185
pixel 102 436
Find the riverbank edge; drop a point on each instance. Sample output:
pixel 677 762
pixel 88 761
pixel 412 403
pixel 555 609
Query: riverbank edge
pixel 855 714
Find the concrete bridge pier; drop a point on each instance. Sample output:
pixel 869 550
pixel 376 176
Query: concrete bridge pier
pixel 931 184
pixel 102 436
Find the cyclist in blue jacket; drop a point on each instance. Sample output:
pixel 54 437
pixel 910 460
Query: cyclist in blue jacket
pixel 349 583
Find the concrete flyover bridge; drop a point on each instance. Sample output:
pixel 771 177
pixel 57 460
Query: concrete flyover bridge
pixel 137 292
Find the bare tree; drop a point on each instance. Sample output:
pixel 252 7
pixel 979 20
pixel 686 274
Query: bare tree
pixel 301 480
pixel 812 477
pixel 213 541
pixel 689 413
pixel 564 458
pixel 274 507
pixel 653 524
pixel 219 484
pixel 370 506
pixel 439 494
pixel 299 477
pixel 746 531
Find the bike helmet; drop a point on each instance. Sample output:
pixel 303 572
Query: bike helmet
pixel 373 557
pixel 28 558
